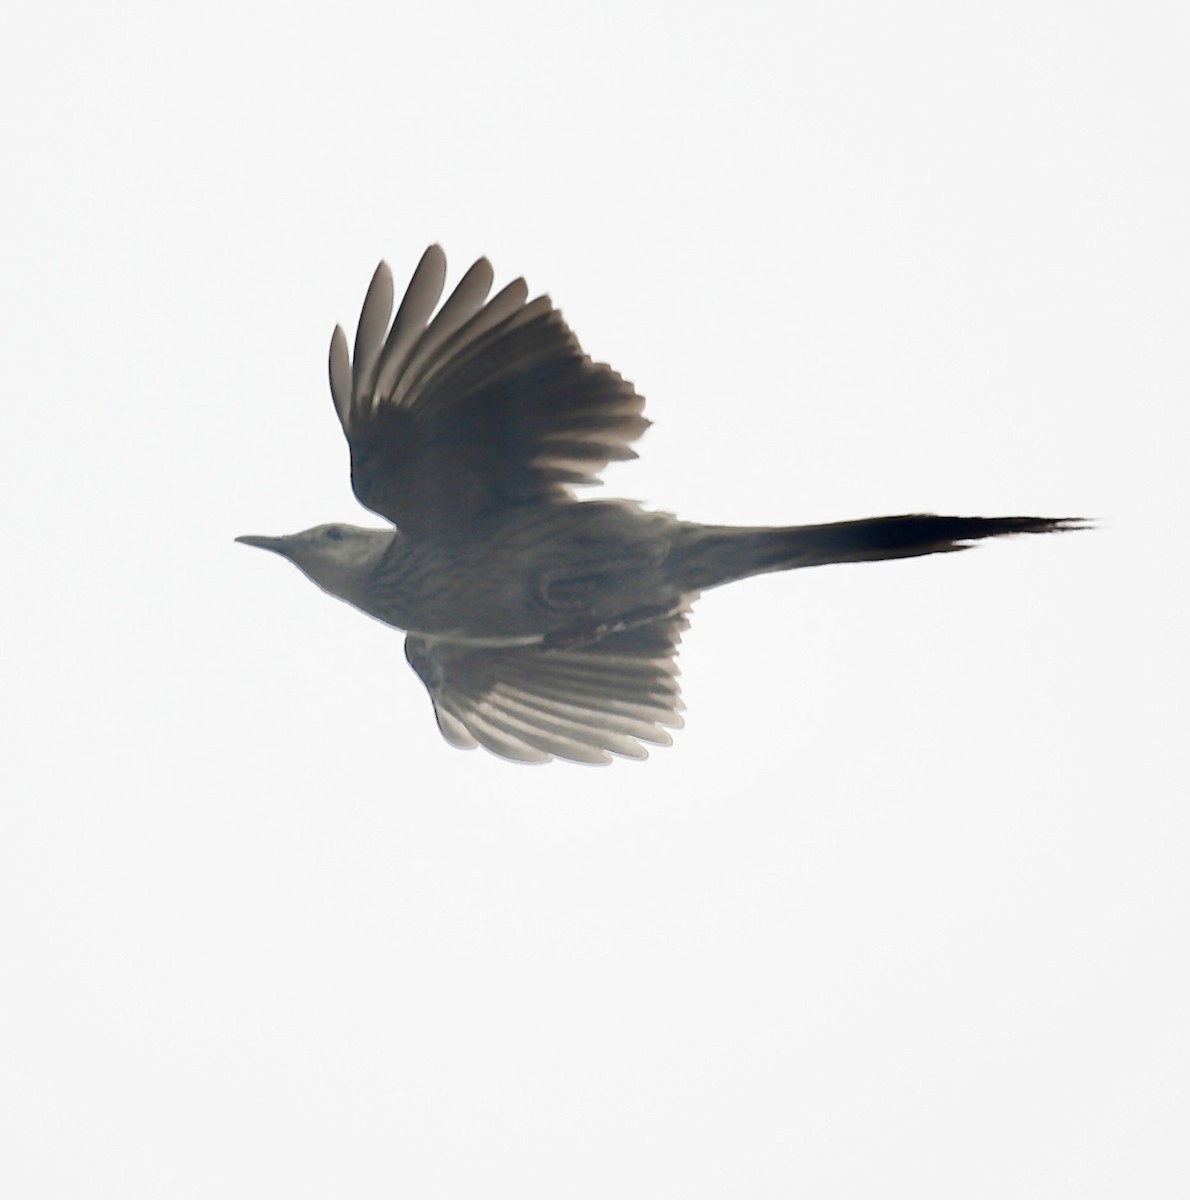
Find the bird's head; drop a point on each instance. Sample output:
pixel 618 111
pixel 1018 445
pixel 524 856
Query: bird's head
pixel 339 558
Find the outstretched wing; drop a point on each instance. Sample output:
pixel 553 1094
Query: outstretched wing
pixel 532 705
pixel 492 403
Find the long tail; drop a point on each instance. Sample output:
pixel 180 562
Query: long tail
pixel 711 555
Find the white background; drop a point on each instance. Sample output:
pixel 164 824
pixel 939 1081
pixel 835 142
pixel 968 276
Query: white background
pixel 904 910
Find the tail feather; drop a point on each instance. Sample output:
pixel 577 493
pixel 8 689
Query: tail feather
pixel 719 554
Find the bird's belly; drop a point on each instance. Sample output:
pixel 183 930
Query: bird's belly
pixel 535 575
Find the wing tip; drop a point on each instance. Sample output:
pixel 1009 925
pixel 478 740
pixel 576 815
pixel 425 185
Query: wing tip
pixel 339 367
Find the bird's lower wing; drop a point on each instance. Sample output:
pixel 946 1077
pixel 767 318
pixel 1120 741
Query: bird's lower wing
pixel 532 704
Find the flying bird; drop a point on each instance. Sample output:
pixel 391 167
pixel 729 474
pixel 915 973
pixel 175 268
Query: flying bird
pixel 543 626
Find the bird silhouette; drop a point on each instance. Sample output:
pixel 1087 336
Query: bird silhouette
pixel 543 626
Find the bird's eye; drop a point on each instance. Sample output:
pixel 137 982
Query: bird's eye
pixel 333 533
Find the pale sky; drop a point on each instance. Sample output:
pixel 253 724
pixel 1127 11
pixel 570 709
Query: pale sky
pixel 904 910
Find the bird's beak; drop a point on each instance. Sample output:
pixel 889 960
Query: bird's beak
pixel 263 543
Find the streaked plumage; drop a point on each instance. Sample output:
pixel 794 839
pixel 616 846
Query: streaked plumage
pixel 542 626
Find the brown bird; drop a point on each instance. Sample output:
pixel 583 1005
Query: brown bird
pixel 542 626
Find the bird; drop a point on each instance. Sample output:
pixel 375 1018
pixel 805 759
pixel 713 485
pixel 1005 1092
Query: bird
pixel 544 626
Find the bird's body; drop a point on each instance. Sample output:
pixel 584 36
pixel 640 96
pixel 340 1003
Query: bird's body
pixel 529 573
pixel 542 626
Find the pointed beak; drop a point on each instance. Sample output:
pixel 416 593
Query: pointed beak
pixel 275 544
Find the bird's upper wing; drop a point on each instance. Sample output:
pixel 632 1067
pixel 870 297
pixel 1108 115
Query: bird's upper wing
pixel 532 705
pixel 491 403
